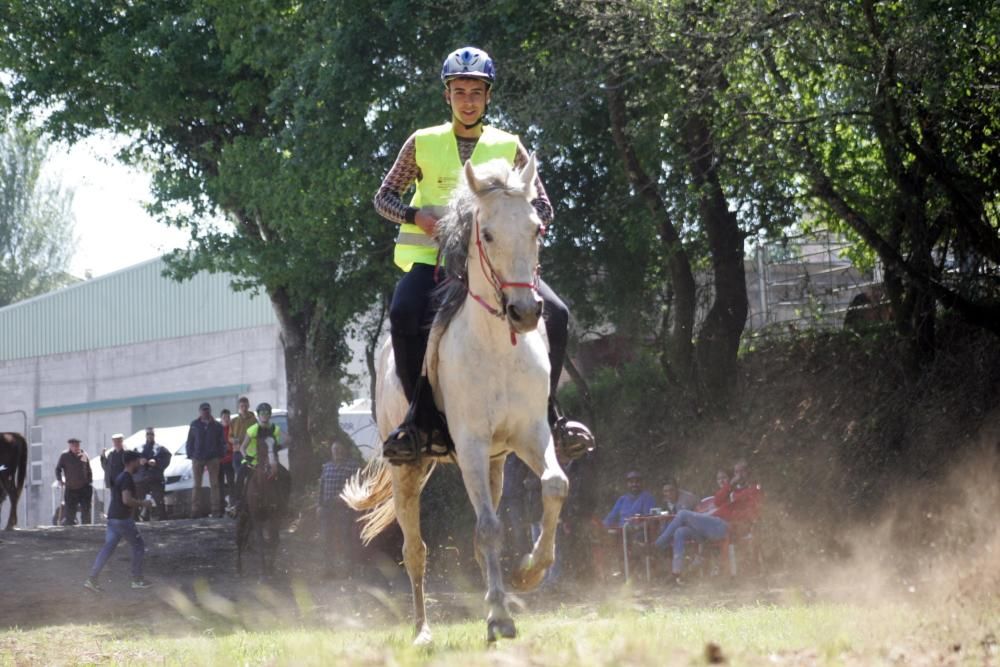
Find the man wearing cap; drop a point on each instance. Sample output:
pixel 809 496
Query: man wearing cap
pixel 74 475
pixel 205 447
pixel 112 461
pixel 635 502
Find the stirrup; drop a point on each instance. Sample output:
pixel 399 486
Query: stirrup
pixel 403 444
pixel 572 438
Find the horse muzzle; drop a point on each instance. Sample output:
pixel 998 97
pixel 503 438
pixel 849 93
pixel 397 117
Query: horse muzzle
pixel 523 314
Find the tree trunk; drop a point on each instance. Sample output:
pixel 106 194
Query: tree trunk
pixel 680 349
pixel 719 338
pixel 314 391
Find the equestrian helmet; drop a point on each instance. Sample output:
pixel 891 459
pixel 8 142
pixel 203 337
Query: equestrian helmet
pixel 468 63
pixel 264 408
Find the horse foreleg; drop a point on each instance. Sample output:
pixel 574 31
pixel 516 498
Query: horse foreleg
pixel 10 490
pixel 242 534
pixel 406 487
pixel 555 485
pixel 258 532
pixel 476 473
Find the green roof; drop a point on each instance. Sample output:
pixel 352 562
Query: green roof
pixel 134 305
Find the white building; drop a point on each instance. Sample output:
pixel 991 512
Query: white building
pixel 128 350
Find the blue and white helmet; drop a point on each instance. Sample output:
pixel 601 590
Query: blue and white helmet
pixel 468 63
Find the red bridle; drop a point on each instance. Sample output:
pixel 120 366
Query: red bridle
pixel 498 284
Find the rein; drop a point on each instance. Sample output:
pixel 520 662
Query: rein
pixel 486 266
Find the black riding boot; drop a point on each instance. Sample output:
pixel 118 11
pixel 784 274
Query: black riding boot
pixel 422 428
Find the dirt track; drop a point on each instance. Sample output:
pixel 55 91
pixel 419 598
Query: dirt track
pixel 43 571
pixel 192 566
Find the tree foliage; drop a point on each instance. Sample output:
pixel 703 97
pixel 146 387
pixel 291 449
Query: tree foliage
pixel 36 221
pixel 670 132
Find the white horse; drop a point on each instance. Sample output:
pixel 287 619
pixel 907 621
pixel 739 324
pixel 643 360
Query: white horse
pixel 488 363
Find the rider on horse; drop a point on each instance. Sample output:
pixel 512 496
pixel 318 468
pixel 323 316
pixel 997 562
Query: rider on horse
pixel 432 159
pixel 260 445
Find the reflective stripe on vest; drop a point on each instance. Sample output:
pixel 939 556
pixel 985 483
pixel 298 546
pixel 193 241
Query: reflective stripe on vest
pixel 440 168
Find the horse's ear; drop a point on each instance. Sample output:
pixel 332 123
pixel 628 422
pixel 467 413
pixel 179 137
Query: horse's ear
pixel 475 184
pixel 528 175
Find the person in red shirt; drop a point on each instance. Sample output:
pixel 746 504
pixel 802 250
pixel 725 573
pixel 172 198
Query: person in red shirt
pixel 737 501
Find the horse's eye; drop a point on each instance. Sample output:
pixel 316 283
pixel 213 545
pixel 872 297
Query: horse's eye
pixel 487 237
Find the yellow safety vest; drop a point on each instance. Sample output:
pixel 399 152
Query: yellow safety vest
pixel 252 433
pixel 440 168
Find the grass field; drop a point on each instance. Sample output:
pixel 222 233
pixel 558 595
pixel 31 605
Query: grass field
pixel 610 634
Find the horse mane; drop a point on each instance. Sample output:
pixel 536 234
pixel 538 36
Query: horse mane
pixel 455 229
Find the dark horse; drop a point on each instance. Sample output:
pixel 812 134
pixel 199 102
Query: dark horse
pixel 262 510
pixel 13 469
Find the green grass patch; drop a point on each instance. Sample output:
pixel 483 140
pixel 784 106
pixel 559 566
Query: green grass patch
pixel 811 634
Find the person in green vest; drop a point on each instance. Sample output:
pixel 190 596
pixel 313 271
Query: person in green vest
pixel 260 451
pixel 431 160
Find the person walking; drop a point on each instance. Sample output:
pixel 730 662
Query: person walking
pixel 121 526
pixel 205 449
pixel 149 480
pixel 431 161
pixel 75 476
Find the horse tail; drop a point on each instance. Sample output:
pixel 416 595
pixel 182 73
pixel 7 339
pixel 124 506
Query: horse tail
pixel 370 491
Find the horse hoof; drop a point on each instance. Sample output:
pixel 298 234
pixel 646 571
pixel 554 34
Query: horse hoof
pixel 501 628
pixel 528 575
pixel 423 638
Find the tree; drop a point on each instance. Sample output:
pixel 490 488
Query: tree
pixel 240 110
pixel 36 221
pixel 888 112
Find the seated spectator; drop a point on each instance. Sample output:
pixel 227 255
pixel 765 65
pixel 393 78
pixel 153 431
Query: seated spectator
pixel 675 499
pixel 737 501
pixel 634 503
pixel 707 504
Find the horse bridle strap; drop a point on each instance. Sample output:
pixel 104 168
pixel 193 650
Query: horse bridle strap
pixel 486 266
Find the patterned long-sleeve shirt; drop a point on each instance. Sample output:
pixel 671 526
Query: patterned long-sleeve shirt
pixel 405 172
pixel 332 481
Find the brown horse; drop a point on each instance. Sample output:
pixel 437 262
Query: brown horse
pixel 262 511
pixel 13 469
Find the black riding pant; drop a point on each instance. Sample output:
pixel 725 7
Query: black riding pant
pixel 412 313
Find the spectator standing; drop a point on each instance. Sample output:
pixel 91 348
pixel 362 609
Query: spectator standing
pixel 634 503
pixel 243 420
pixel 205 448
pixel 149 479
pixel 337 525
pixel 121 525
pixel 112 461
pixel 227 478
pixel 74 475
